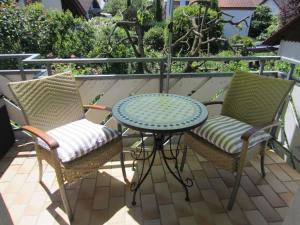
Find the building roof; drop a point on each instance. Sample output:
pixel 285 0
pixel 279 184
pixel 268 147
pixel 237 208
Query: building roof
pixel 289 32
pixel 239 3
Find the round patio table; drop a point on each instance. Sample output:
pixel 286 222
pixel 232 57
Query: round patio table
pixel 162 115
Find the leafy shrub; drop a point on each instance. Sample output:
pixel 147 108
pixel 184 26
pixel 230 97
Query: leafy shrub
pixel 244 41
pixel 154 38
pixel 24 29
pixel 114 6
pixel 270 30
pixel 261 20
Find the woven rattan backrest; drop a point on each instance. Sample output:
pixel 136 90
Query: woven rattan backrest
pixel 49 102
pixel 255 99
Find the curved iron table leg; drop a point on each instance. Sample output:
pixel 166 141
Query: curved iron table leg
pixel 188 182
pixel 136 185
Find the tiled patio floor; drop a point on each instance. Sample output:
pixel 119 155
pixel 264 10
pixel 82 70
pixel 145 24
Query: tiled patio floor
pixel 103 198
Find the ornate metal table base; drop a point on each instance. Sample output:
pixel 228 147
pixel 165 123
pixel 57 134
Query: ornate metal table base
pixel 141 155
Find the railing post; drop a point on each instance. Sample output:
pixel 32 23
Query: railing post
pixel 291 71
pixel 161 78
pixel 21 68
pixel 261 67
pixel 49 70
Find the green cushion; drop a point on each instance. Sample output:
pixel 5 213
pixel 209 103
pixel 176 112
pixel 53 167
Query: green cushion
pixel 225 133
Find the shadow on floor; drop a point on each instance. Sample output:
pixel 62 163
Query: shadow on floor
pixel 5 218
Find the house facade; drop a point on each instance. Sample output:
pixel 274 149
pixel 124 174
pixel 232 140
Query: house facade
pixel 240 9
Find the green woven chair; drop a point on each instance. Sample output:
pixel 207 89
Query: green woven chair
pixel 72 145
pixel 250 109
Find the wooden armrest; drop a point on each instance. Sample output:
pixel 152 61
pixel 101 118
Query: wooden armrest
pixel 99 107
pixel 213 103
pixel 249 133
pixel 50 141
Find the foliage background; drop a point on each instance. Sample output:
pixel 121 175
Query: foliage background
pixel 32 29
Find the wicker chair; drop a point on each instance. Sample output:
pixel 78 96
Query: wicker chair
pixel 250 110
pixel 55 116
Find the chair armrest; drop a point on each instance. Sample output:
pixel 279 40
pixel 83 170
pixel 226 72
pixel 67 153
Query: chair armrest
pixel 213 103
pixel 50 141
pixel 249 133
pixel 98 107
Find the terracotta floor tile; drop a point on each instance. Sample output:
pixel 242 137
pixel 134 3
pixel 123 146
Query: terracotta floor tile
pixel 115 204
pixel 27 166
pixel 103 179
pixel 101 198
pixel 168 215
pixel 201 179
pixel 243 200
pixel 104 198
pixel 282 211
pixel 150 209
pixel 158 174
pixel 222 219
pixel 220 188
pixel 194 193
pixel 271 196
pixel 82 212
pixel 249 186
pixel 99 217
pixel 200 158
pixel 182 207
pixel 236 215
pixel 174 185
pixel 28 220
pixel 25 193
pixel 36 204
pixel 134 216
pixel 255 218
pixel 290 171
pixel 292 186
pixel 193 163
pixel 16 183
pixel 202 213
pixel 152 222
pixel 276 158
pixel 87 189
pixel 256 165
pixel 266 209
pixel 162 193
pixel 227 177
pixel 45 218
pixel 279 173
pixel 212 201
pixel 275 183
pixel 287 197
pixel 187 221
pixel 210 170
pixel 147 185
pixel 117 188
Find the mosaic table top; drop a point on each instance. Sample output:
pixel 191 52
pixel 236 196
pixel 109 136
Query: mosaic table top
pixel 157 112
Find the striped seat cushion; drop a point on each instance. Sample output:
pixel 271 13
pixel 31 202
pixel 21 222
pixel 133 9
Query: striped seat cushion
pixel 225 133
pixel 79 138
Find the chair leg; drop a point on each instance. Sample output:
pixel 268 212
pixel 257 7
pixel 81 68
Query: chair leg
pixel 183 158
pixel 262 163
pixel 234 191
pixel 122 159
pixel 64 196
pixel 40 169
